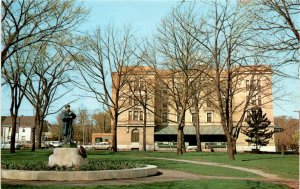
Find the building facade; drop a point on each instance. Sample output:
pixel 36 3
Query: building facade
pixel 24 129
pixel 146 102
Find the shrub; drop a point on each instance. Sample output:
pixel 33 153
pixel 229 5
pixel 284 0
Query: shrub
pixel 91 165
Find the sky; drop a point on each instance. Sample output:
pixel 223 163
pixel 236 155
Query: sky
pixel 144 16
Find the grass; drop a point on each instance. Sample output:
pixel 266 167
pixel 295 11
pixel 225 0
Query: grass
pixel 133 158
pixel 286 166
pixel 199 184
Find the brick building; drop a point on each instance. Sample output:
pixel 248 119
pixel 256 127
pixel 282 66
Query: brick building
pixel 161 131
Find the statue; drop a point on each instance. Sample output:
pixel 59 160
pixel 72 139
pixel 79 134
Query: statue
pixel 67 117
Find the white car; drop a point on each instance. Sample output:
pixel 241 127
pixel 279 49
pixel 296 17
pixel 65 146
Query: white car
pixel 191 149
pixel 6 145
pixel 101 146
pixel 56 144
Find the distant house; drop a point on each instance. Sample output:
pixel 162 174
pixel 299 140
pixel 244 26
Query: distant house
pixel 24 128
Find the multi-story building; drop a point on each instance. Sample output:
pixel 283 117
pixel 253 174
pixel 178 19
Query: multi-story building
pixel 254 87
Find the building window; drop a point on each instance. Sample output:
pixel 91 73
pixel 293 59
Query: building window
pixel 165 116
pixel 142 85
pixel 98 139
pixel 141 116
pixel 194 117
pixel 135 115
pixel 130 115
pixel 135 135
pixel 253 100
pixel 209 117
pixel 135 85
pixel 247 85
pixel 258 85
pixel 259 100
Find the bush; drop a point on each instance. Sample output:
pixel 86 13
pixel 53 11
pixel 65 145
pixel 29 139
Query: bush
pixel 91 165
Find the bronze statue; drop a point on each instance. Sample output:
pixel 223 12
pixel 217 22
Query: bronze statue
pixel 67 117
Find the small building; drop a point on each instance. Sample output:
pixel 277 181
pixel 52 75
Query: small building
pixel 24 129
pixel 101 137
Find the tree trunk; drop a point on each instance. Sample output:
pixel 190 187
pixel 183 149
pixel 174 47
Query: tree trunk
pixel 13 134
pixel 114 133
pixel 33 138
pixel 180 141
pixel 198 139
pixel 144 129
pixel 230 148
pixel 14 115
pixel 40 133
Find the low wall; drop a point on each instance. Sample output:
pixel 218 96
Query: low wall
pixel 149 170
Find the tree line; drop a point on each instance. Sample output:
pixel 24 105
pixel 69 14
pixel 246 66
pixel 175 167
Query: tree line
pixel 40 51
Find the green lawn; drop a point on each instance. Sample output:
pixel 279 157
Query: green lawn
pixel 285 166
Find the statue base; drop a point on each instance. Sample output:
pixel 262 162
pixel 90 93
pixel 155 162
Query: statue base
pixel 66 157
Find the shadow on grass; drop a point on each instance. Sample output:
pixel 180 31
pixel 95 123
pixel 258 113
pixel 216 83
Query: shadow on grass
pixel 262 158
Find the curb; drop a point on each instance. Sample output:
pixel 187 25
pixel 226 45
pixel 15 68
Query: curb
pixel 149 170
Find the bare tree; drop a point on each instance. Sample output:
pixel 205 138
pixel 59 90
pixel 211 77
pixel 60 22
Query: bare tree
pixel 180 67
pixel 49 77
pixel 105 65
pixel 277 31
pixel 83 126
pixel 225 37
pixel 102 122
pixel 13 77
pixel 141 87
pixel 27 22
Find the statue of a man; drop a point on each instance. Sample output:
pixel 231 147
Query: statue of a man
pixel 67 117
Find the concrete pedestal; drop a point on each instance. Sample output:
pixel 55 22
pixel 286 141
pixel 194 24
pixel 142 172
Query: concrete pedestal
pixel 65 157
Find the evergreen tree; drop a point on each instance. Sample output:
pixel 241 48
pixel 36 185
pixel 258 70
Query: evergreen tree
pixel 257 131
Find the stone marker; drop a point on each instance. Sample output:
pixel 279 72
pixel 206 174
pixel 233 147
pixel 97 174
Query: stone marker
pixel 66 157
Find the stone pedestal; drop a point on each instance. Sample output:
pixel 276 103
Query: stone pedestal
pixel 65 157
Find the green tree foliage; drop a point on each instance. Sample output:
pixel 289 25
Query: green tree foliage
pixel 258 131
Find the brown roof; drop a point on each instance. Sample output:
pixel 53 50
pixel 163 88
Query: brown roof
pixel 25 121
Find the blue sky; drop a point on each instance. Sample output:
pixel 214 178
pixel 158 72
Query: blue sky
pixel 144 16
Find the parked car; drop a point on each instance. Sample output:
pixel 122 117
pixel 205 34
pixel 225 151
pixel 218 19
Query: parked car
pixel 101 146
pixel 55 144
pixel 191 149
pixel 6 145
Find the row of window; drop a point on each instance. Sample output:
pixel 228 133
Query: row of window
pixel 254 85
pixel 209 117
pixel 135 116
pixel 139 116
pixel 255 100
pixel 138 85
